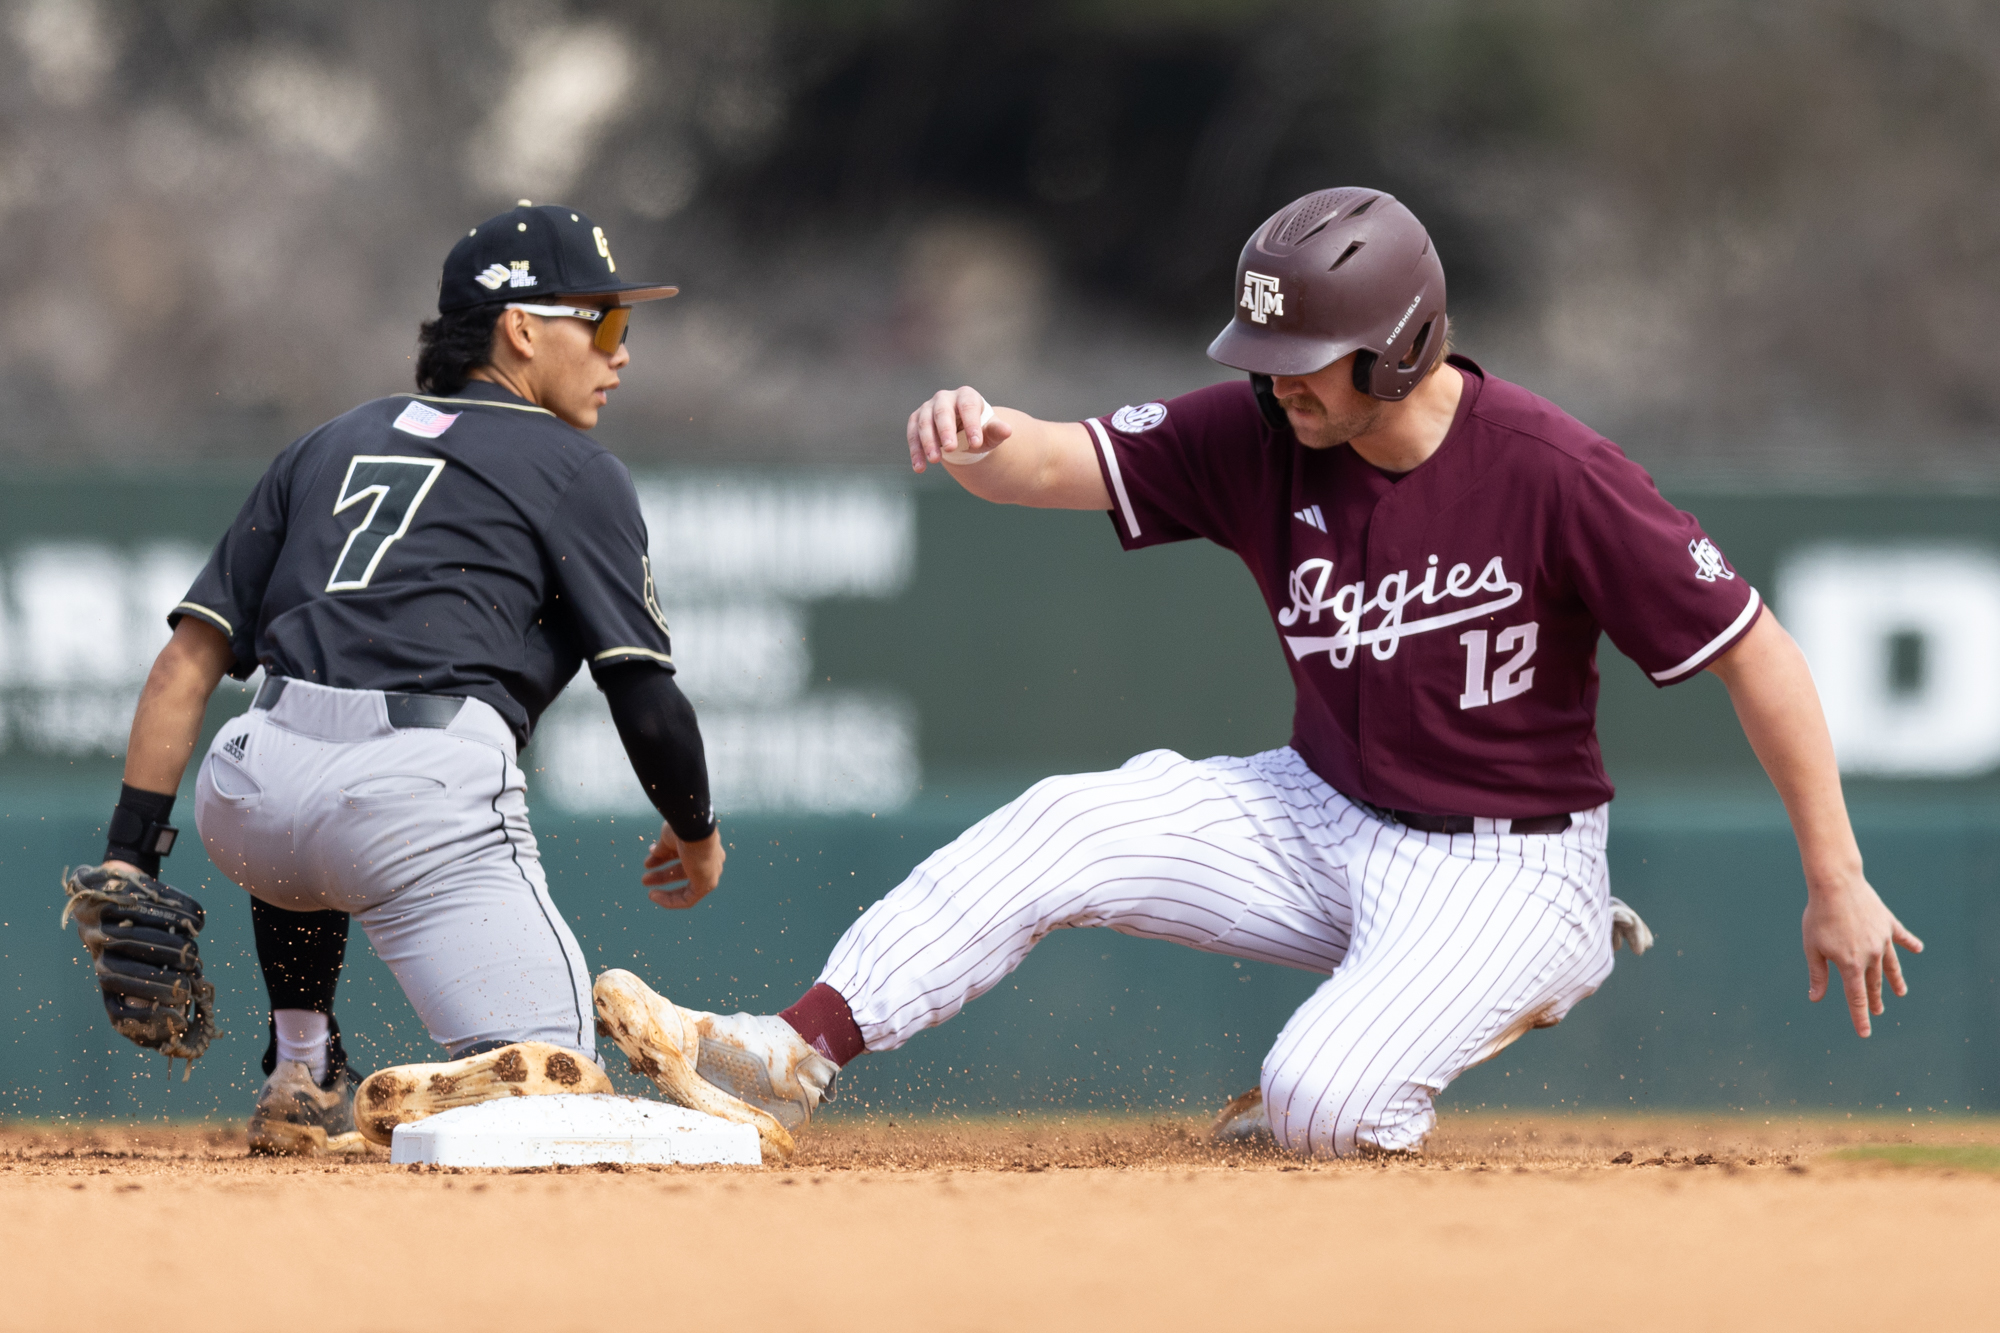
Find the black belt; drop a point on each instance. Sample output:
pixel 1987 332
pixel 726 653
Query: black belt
pixel 435 711
pixel 1464 823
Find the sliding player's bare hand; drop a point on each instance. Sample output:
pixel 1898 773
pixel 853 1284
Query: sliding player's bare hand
pixel 953 419
pixel 1850 928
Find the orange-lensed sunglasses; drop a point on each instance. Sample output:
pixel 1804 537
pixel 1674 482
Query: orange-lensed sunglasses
pixel 610 321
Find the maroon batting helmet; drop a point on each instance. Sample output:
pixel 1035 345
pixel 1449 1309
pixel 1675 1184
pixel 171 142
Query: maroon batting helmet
pixel 1339 271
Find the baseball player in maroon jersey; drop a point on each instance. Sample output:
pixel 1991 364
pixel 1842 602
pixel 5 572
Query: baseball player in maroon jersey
pixel 1439 551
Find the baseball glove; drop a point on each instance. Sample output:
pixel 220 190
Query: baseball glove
pixel 140 934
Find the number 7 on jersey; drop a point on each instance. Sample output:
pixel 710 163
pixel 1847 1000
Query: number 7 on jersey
pixel 394 486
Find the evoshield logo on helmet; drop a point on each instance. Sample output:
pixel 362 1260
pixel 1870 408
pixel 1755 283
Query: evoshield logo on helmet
pixel 1397 332
pixel 1261 297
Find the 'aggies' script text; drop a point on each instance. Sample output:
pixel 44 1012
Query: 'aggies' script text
pixel 1393 597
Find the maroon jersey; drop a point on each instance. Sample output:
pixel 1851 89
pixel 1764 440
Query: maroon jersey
pixel 1441 627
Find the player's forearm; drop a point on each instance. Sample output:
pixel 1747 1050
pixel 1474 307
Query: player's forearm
pixel 1027 469
pixel 1779 708
pixel 167 723
pixel 1015 458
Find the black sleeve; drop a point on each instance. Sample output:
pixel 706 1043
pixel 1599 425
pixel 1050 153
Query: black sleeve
pixel 663 741
pixel 597 544
pixel 229 593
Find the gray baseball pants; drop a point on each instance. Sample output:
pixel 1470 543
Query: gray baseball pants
pixel 422 835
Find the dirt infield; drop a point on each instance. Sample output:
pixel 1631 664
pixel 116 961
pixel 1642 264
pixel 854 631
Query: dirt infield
pixel 1046 1224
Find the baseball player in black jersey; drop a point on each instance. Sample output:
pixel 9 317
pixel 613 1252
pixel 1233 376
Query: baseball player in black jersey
pixel 418 579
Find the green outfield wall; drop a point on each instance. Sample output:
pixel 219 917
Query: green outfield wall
pixel 879 661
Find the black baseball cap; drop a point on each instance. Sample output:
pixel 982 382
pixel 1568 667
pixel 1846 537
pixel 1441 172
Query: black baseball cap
pixel 536 251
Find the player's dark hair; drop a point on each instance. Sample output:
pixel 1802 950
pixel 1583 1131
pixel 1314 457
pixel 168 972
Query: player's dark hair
pixel 451 347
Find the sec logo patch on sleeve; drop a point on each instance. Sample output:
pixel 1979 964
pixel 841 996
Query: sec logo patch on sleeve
pixel 1132 420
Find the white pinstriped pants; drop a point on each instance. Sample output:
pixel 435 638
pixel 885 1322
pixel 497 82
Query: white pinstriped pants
pixel 1442 948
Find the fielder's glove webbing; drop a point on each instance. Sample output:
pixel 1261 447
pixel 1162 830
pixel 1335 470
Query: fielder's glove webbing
pixel 140 934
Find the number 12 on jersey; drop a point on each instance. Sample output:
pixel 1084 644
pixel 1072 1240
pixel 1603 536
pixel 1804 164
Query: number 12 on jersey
pixel 394 486
pixel 1514 676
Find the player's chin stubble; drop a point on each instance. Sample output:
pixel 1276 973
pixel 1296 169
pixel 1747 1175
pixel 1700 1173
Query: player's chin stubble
pixel 1317 427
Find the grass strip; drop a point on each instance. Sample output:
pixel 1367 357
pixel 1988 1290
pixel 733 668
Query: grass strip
pixel 1962 1157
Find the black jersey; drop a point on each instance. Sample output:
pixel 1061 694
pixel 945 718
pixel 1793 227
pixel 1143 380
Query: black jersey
pixel 471 546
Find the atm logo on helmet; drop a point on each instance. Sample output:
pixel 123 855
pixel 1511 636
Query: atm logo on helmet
pixel 1261 297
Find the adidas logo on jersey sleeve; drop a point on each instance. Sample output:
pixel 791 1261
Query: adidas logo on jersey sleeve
pixel 424 420
pixel 1311 517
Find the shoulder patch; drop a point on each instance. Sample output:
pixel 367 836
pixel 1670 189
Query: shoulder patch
pixel 653 595
pixel 1708 562
pixel 1132 420
pixel 424 420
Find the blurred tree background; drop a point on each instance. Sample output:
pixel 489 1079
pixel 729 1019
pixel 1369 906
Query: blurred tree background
pixel 1758 238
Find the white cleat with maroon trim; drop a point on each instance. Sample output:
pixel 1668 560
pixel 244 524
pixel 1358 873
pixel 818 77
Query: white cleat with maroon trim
pixel 761 1059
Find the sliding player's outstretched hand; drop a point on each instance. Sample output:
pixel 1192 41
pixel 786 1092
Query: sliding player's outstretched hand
pixel 954 426
pixel 681 874
pixel 1854 931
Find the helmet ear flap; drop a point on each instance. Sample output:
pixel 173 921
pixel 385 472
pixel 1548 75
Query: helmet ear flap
pixel 1267 402
pixel 1364 372
pixel 1391 381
